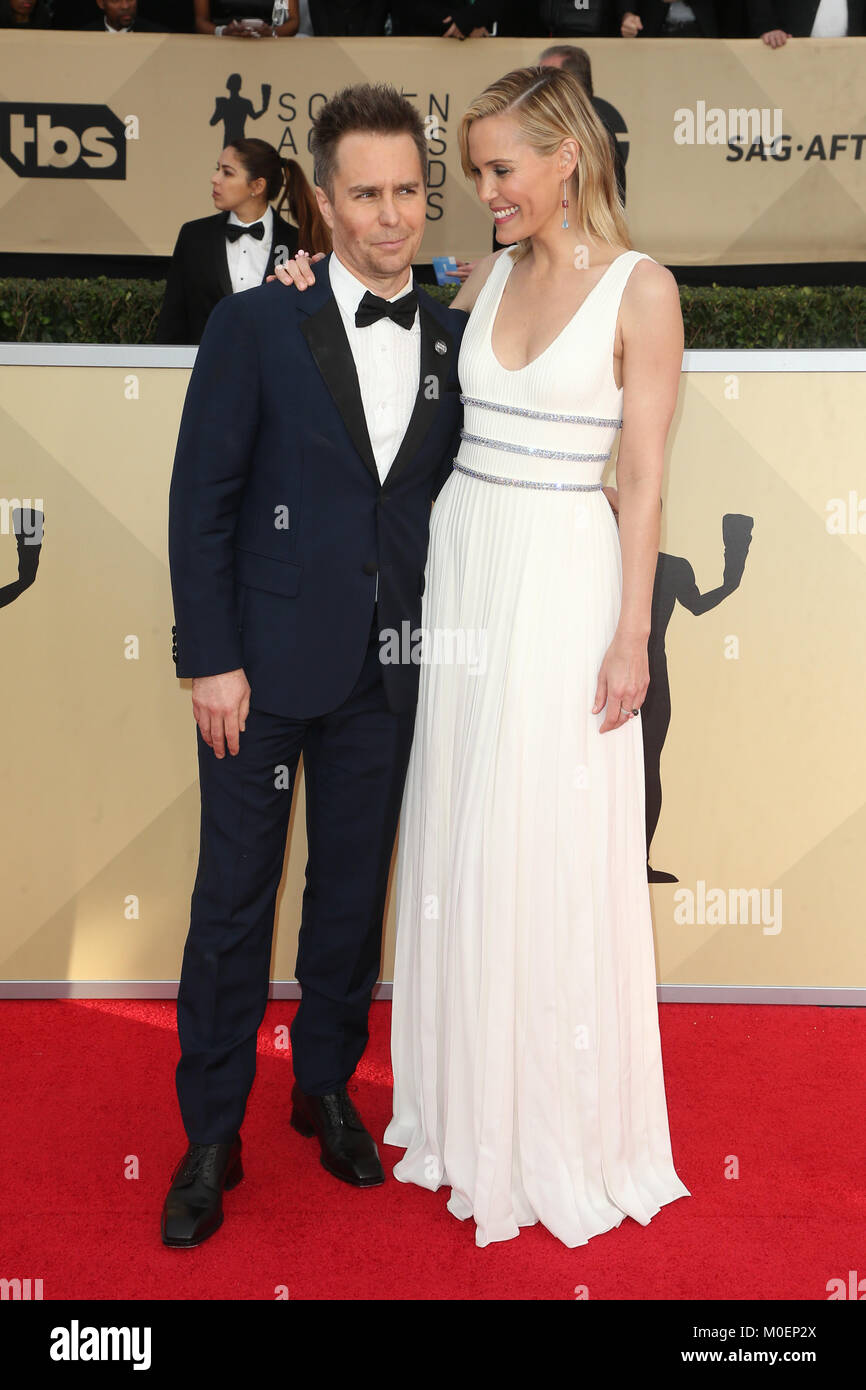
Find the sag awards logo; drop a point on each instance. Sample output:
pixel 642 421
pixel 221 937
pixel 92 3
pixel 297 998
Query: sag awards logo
pixel 24 519
pixel 288 119
pixel 64 141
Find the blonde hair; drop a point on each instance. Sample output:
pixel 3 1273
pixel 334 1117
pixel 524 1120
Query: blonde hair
pixel 549 106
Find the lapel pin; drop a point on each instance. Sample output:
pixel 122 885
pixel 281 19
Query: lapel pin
pixel 440 346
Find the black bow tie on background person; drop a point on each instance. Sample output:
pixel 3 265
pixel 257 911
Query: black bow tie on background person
pixel 401 310
pixel 234 231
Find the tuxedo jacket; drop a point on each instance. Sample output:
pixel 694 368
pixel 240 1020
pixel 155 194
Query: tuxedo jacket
pixel 349 18
pixel 653 14
pixel 428 17
pixel 796 17
pixel 198 277
pixel 280 533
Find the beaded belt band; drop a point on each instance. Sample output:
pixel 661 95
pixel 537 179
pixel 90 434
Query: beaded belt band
pixel 541 414
pixel 536 453
pixel 524 482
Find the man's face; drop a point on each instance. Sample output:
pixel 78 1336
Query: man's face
pixel 379 204
pixel 119 13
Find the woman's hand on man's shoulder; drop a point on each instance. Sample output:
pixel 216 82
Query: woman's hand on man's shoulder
pixel 297 271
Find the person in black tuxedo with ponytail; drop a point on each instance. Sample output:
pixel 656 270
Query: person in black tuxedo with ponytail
pixel 236 248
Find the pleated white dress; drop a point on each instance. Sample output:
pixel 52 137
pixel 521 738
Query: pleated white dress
pixel 525 1041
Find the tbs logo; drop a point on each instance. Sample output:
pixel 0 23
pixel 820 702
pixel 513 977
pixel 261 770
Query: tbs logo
pixel 62 141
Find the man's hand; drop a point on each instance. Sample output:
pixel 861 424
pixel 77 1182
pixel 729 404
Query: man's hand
pixel 221 705
pixel 631 25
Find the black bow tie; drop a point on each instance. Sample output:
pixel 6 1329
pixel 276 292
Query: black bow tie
pixel 401 310
pixel 256 229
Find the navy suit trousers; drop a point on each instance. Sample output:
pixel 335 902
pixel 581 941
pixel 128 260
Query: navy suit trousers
pixel 355 761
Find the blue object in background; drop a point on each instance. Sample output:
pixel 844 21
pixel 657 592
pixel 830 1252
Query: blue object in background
pixel 440 265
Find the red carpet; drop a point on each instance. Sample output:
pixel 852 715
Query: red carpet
pixel 88 1089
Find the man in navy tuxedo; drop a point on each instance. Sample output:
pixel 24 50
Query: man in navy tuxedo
pixel 318 429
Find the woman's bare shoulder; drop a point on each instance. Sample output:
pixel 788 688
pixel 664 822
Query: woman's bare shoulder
pixel 650 283
pixel 474 283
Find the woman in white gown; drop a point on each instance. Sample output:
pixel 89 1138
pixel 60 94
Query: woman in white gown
pixel 525 1041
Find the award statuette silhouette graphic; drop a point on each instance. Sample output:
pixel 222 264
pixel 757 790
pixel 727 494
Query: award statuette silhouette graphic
pixel 234 110
pixel 27 525
pixel 675 583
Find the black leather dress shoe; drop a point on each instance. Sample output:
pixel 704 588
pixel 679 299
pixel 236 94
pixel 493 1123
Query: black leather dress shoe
pixel 193 1209
pixel 348 1151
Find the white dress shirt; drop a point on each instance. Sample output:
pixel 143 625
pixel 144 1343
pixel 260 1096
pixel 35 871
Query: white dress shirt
pixel 305 24
pixel 247 257
pixel 388 363
pixel 831 20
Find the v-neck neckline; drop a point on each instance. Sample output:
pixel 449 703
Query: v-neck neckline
pixel 513 371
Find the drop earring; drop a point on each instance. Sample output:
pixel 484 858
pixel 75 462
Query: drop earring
pixel 564 203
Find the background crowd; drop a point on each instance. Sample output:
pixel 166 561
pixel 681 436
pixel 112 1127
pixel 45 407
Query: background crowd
pixel 773 21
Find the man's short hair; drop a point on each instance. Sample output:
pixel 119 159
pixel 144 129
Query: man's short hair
pixel 575 60
pixel 376 109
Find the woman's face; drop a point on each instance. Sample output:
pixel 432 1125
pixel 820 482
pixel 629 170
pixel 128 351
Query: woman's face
pixel 522 188
pixel 230 184
pixel 22 9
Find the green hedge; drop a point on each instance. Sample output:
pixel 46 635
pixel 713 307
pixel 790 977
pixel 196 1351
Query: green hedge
pixel 126 311
pixel 80 311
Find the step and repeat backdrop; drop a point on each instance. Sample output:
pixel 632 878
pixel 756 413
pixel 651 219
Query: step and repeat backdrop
pixel 755 757
pixel 735 153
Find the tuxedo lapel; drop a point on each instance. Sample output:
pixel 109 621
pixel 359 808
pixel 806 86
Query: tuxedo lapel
pixel 218 253
pixel 327 341
pixel 434 367
pixel 269 268
pixel 286 236
pixel 329 345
